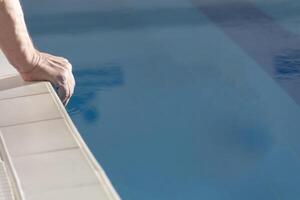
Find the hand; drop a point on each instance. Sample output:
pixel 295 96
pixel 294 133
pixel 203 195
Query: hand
pixel 57 70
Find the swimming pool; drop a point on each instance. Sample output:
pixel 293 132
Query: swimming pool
pixel 183 99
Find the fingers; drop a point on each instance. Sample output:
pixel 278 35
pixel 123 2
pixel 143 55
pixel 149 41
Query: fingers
pixel 58 71
pixel 63 93
pixel 64 79
pixel 66 85
pixel 71 84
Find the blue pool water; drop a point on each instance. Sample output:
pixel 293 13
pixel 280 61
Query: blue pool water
pixel 183 99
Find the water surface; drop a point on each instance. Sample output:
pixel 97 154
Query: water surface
pixel 183 99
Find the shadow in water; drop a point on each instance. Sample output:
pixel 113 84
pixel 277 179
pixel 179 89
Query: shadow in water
pixel 287 65
pixel 89 82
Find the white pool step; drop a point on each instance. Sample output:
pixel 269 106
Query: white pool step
pixel 45 156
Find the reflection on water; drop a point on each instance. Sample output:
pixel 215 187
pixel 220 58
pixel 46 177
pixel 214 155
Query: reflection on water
pixel 89 81
pixel 130 18
pixel 82 22
pixel 263 40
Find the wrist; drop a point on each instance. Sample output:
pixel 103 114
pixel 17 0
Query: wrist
pixel 24 60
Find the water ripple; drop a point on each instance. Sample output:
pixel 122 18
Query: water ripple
pixel 89 81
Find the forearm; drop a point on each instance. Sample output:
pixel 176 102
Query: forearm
pixel 15 41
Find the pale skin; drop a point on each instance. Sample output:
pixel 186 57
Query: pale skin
pixel 32 64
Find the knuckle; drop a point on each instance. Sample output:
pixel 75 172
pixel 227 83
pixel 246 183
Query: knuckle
pixel 65 60
pixel 68 66
pixel 62 77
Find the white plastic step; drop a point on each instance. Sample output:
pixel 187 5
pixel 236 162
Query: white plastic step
pixel 43 156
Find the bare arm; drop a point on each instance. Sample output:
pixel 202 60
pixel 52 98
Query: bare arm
pixel 14 38
pixel 32 64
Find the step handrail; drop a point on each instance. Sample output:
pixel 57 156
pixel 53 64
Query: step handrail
pixel 12 174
